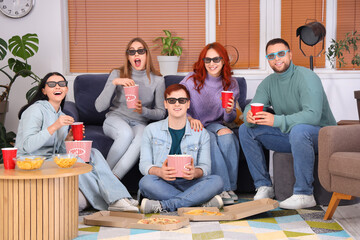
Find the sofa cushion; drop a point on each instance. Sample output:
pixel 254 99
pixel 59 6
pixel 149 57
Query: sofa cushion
pixel 85 95
pixel 346 164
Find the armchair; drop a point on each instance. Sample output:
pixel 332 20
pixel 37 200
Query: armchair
pixel 339 163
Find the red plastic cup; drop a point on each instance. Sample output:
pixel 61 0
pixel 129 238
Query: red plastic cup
pixel 179 162
pixel 77 129
pixel 256 107
pixel 131 95
pixel 226 96
pixel 8 156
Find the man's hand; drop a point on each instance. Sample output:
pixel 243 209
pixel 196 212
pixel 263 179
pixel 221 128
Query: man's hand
pixel 264 118
pixel 167 173
pixel 189 174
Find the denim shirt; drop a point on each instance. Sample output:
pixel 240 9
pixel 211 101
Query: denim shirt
pixel 156 146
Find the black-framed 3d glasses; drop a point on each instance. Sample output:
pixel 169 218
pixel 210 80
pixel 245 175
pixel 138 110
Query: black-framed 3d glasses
pixel 52 84
pixel 215 59
pixel 180 100
pixel 140 51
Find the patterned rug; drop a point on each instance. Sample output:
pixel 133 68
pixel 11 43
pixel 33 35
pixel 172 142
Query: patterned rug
pixel 307 224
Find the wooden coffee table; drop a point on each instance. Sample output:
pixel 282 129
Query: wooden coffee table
pixel 40 204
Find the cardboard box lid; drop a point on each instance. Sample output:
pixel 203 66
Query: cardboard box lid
pixel 234 212
pixel 129 220
pixel 182 212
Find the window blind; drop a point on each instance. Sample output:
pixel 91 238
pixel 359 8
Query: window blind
pixel 348 20
pixel 295 14
pixel 238 27
pixel 100 30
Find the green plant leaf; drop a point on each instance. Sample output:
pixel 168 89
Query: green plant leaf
pixel 24 47
pixel 167 33
pixel 3 48
pixel 30 94
pixel 19 67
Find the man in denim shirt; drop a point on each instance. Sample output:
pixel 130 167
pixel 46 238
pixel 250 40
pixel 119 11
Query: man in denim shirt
pixel 175 136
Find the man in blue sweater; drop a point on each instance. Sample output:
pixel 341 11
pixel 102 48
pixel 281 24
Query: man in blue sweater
pixel 301 109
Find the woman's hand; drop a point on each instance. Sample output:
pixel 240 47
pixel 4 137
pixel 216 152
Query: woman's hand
pixel 195 124
pixel 230 107
pixel 167 173
pixel 126 82
pixel 70 136
pixel 63 120
pixel 189 174
pixel 138 108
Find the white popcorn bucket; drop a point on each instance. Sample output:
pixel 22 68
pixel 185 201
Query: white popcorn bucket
pixel 79 148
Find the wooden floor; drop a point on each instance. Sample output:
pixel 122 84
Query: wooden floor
pixel 349 218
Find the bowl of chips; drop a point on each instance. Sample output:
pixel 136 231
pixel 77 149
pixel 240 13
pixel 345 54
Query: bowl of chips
pixel 65 160
pixel 29 162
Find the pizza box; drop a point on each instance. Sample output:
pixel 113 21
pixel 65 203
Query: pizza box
pixel 129 220
pixel 233 212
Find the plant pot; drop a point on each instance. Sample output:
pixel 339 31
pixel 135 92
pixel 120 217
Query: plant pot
pixel 168 64
pixel 4 106
pixel 357 97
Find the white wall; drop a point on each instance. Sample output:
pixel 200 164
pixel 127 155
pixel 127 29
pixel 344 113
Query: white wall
pixel 48 20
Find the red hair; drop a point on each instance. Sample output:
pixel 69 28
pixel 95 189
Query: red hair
pixel 200 70
pixel 176 87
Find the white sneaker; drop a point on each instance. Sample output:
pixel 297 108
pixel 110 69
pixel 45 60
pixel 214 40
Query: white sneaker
pixel 226 198
pixel 264 192
pixel 122 205
pixel 233 195
pixel 216 201
pixel 298 201
pixel 132 201
pixel 150 206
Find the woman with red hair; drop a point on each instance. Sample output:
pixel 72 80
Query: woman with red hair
pixel 212 74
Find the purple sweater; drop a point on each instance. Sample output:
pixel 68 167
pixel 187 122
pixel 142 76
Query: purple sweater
pixel 206 105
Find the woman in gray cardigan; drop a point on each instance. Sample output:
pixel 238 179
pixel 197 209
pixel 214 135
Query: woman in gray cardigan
pixel 126 125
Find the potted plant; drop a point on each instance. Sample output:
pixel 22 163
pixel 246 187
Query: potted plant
pixel 21 48
pixel 7 139
pixel 335 53
pixel 171 52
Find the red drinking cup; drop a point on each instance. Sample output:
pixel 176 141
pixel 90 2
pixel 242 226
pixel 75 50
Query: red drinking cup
pixel 256 107
pixel 77 129
pixel 8 156
pixel 226 96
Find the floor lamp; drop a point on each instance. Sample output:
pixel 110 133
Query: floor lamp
pixel 311 34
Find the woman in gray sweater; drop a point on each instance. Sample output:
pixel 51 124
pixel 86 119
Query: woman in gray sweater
pixel 126 125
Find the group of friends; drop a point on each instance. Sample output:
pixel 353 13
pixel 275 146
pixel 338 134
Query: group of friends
pixel 195 125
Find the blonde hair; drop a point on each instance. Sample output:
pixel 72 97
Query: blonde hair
pixel 126 69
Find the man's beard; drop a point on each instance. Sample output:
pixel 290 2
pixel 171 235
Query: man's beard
pixel 284 70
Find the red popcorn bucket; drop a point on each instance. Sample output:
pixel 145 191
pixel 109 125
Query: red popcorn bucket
pixel 179 162
pixel 79 148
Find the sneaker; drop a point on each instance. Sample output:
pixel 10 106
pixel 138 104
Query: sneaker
pixel 226 198
pixel 233 195
pixel 298 201
pixel 214 202
pixel 150 206
pixel 122 205
pixel 132 201
pixel 264 192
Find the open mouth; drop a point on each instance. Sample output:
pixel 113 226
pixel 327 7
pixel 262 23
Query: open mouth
pixel 137 62
pixel 57 93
